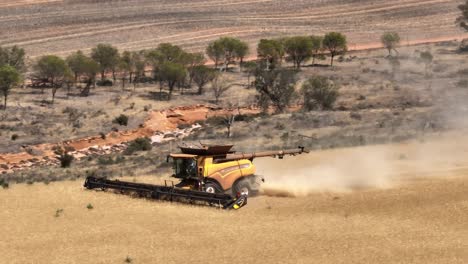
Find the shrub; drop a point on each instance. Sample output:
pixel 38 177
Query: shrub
pixel 104 82
pixel 108 160
pixel 58 212
pixel 279 126
pixel 121 120
pixel 14 137
pixel 139 144
pixel 215 121
pixel 63 156
pixel 103 136
pixel 90 206
pixel 319 92
pixel 66 160
pixel 4 184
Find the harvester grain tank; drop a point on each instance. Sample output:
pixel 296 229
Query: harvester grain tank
pixel 213 175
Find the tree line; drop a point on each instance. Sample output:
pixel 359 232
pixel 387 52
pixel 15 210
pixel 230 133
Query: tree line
pixel 173 67
pixel 169 65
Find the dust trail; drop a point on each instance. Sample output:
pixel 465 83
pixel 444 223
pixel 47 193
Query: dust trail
pixel 369 167
pixel 332 170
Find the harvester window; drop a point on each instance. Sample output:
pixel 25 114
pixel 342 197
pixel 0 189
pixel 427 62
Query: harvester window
pixel 185 168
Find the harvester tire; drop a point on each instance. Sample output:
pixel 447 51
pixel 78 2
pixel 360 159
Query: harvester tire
pixel 212 187
pixel 242 187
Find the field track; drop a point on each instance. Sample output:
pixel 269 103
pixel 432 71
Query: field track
pixel 60 27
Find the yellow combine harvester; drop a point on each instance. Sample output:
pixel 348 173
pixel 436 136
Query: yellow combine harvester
pixel 217 169
pixel 211 175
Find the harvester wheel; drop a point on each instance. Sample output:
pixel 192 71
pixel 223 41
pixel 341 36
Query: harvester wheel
pixel 211 187
pixel 242 187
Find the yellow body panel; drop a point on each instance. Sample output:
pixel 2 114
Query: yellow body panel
pixel 226 173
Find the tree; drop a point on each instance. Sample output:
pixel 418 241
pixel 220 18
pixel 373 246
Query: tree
pixel 335 43
pixel 426 58
pixel 90 69
pixel 276 87
pixel 53 69
pixel 390 41
pixel 271 51
pixel 107 57
pixel 202 75
pixel 138 63
pixel 76 61
pixel 9 76
pixel 250 68
pixel 227 49
pixel 14 57
pixel 319 92
pixel 215 52
pixel 298 49
pixel 171 53
pixel 241 51
pixel 220 86
pixel 463 19
pixel 171 73
pixel 317 46
pixel 194 60
pixel 125 66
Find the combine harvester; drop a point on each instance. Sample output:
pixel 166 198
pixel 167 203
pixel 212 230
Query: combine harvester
pixel 209 175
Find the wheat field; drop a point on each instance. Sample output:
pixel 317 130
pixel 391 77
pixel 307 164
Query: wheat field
pixel 421 217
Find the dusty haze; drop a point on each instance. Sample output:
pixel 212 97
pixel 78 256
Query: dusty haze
pixel 368 167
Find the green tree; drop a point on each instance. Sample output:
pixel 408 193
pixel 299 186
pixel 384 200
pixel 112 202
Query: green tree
pixel 139 63
pixel 390 41
pixel 14 56
pixel 124 67
pixel 90 70
pixel 299 49
pixel 215 52
pixel 271 51
pixel 463 18
pixel 107 57
pixel 53 69
pixel 172 73
pixel 9 77
pixel 335 43
pixel 202 75
pixel 76 61
pixel 249 68
pixel 227 49
pixel 317 46
pixel 171 53
pixel 319 92
pixel 276 87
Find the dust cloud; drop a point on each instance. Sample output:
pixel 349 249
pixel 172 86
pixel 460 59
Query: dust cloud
pixel 331 170
pixel 367 167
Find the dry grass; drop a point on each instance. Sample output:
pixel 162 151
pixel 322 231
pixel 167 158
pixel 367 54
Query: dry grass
pixel 423 221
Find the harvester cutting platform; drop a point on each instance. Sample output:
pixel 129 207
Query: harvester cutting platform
pixel 209 175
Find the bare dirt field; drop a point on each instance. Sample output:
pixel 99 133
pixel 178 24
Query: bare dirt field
pixel 60 27
pixel 418 216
